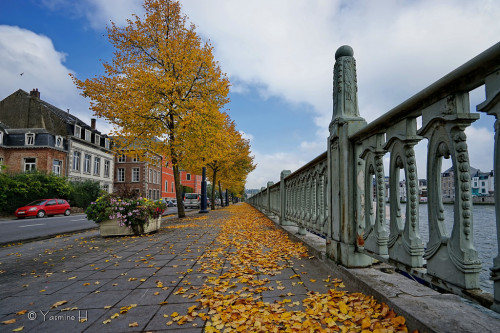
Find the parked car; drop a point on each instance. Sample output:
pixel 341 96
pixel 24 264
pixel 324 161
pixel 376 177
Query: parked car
pixel 44 207
pixel 174 202
pixel 192 200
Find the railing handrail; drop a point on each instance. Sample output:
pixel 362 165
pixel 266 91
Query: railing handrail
pixel 318 158
pixel 465 78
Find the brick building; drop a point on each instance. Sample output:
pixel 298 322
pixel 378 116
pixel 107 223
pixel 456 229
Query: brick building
pixel 168 183
pixel 31 149
pixel 137 174
pixel 38 135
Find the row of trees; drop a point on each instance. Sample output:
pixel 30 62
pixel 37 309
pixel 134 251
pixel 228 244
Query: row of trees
pixel 164 87
pixel 17 190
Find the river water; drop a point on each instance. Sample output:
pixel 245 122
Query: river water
pixel 485 235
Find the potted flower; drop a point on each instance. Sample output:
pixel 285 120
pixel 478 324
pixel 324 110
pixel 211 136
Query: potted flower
pixel 125 216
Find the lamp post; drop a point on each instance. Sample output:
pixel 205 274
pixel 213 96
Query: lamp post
pixel 203 206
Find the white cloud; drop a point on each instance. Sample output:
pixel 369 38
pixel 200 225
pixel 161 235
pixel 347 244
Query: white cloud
pixel 246 136
pixel 98 13
pixel 269 167
pixel 287 48
pixel 42 66
pixel 480 142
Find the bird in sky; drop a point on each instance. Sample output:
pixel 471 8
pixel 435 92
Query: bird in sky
pixel 21 74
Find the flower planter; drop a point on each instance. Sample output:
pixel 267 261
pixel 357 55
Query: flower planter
pixel 111 228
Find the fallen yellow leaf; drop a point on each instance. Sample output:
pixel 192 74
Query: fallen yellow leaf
pixel 56 304
pixel 134 324
pixel 10 321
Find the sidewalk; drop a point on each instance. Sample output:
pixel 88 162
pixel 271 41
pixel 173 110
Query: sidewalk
pixel 229 270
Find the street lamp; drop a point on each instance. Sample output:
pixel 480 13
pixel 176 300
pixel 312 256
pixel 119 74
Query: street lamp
pixel 203 206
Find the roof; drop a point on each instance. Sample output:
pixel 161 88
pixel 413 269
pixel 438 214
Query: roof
pixel 23 110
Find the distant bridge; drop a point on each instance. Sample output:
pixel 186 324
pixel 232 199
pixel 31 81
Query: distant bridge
pixel 333 194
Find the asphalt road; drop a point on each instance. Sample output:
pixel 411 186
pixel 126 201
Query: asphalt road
pixel 29 228
pixel 17 230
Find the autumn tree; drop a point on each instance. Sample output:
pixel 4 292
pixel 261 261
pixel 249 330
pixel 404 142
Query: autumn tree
pixel 162 79
pixel 228 160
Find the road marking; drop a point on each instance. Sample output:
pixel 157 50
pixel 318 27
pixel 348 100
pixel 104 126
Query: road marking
pixel 79 220
pixel 30 225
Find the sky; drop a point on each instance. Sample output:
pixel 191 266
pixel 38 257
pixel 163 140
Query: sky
pixel 279 57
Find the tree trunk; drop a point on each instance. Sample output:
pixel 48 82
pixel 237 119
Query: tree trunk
pixel 212 195
pixel 220 194
pixel 178 191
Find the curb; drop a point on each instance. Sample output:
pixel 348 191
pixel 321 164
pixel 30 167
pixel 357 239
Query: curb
pixel 71 233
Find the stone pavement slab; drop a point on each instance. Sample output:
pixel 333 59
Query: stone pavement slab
pixel 171 281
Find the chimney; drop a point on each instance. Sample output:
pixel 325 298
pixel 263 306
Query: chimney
pixel 92 123
pixel 35 93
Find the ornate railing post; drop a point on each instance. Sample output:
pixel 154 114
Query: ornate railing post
pixel 492 107
pixel 405 245
pixel 341 162
pixel 453 259
pixel 374 232
pixel 263 199
pixel 283 198
pixel 268 202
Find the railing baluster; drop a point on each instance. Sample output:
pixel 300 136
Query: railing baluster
pixel 492 107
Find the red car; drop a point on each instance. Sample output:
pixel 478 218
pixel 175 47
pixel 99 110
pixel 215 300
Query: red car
pixel 40 208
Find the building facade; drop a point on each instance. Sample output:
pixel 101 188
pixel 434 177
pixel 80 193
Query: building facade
pixel 36 135
pixel 143 176
pixel 186 178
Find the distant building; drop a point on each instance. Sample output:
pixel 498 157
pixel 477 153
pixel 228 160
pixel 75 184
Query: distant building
pixel 138 173
pixel 482 184
pixel 168 182
pixel 191 180
pixel 36 135
pixel 187 179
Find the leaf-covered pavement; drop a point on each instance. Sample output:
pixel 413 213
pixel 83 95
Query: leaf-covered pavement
pixel 232 270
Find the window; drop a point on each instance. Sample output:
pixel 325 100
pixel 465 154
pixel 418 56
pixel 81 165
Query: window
pixel 97 139
pixel 56 167
pixel 1 138
pixel 106 188
pixel 166 186
pixel 136 158
pixel 149 194
pixel 97 166
pixel 135 174
pixel 76 160
pixel 188 176
pixel 86 163
pixel 1 163
pixel 106 168
pixel 30 139
pixel 78 131
pixel 29 164
pixel 150 175
pixel 121 158
pixel 121 175
pixel 106 143
pixel 87 135
pixel 154 177
pixel 173 187
pixel 59 141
